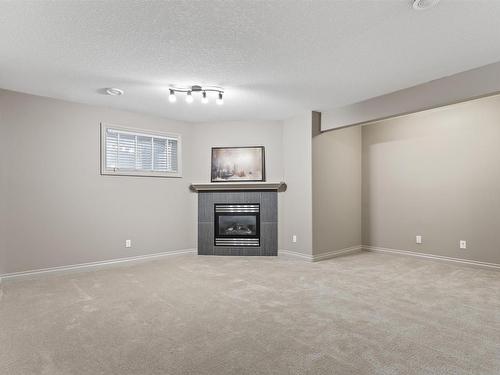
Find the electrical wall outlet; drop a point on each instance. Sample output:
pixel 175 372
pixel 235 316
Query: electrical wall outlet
pixel 418 239
pixel 463 244
pixel 128 243
pixel 294 238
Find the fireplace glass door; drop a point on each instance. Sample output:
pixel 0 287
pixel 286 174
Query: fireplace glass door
pixel 237 225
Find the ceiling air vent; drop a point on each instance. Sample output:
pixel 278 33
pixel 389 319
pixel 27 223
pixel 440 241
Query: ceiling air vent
pixel 424 4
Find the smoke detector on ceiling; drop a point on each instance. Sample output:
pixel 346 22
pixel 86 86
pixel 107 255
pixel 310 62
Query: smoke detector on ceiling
pixel 424 4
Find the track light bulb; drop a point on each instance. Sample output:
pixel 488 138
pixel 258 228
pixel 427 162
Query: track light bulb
pixel 220 100
pixel 171 97
pixel 189 97
pixel 204 98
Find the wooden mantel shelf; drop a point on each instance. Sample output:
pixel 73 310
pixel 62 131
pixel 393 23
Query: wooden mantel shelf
pixel 224 186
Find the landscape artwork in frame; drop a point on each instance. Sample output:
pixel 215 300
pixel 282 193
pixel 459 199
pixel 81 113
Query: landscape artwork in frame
pixel 238 164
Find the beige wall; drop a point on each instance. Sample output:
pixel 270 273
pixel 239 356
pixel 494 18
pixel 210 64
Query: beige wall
pixel 458 87
pixel 3 186
pixel 336 160
pixel 435 174
pixel 61 211
pixel 58 210
pixel 243 133
pixel 296 202
pixel 288 158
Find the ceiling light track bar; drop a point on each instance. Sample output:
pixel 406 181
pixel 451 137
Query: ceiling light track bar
pixel 196 88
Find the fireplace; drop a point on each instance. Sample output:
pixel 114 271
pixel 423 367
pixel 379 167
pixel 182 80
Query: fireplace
pixel 237 224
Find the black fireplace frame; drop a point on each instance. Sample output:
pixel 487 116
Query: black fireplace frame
pixel 236 213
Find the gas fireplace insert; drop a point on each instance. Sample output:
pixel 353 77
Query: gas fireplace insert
pixel 237 224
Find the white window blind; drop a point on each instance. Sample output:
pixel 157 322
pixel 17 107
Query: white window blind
pixel 127 152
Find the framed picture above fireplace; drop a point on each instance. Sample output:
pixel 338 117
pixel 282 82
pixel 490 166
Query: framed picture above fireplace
pixel 238 164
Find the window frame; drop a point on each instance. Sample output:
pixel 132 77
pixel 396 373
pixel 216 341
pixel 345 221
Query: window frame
pixel 140 173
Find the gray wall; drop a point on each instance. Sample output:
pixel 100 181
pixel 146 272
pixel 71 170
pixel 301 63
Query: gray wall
pixel 452 89
pixel 336 179
pixel 295 212
pixel 288 158
pixel 240 133
pixel 57 210
pixel 61 211
pixel 436 174
pixel 3 187
pixel 243 133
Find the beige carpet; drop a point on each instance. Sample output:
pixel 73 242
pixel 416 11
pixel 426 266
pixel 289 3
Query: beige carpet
pixel 361 314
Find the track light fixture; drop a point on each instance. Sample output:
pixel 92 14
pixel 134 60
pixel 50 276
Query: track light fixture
pixel 171 97
pixel 220 100
pixel 204 90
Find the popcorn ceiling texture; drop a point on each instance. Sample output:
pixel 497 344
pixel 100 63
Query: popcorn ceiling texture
pixel 275 58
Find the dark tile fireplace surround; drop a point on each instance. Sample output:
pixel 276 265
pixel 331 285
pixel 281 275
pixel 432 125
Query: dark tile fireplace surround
pixel 237 222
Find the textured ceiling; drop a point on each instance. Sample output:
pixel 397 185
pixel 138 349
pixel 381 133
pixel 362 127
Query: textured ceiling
pixel 274 58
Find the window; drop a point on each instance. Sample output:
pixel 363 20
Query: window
pixel 139 153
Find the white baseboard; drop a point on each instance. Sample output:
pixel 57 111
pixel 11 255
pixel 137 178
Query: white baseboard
pixel 295 254
pixel 92 265
pixel 323 256
pixel 432 256
pixel 336 253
